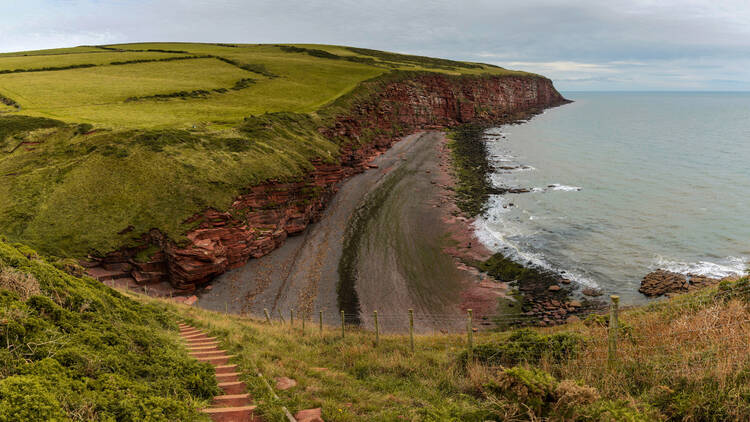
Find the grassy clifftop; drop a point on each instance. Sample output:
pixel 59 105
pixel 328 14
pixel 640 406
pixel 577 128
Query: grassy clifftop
pixel 116 86
pixel 98 145
pixel 73 349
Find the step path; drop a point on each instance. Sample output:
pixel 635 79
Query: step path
pixel 235 405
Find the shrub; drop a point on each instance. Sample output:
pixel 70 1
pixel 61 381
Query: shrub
pixel 739 289
pixel 28 398
pixel 25 285
pixel 12 125
pixel 615 411
pixel 530 386
pixel 570 396
pixel 702 399
pixel 83 128
pixel 79 350
pixel 527 346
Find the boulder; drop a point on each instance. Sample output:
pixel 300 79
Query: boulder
pixel 592 292
pixel 662 282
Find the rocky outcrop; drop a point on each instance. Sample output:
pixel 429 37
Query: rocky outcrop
pixel 261 219
pixel 661 282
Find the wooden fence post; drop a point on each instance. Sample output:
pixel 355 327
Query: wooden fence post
pixel 469 332
pixel 377 329
pixel 304 317
pixel 613 328
pixel 268 316
pixel 411 329
pixel 321 322
pixel 342 324
pixel 281 317
pixel 291 317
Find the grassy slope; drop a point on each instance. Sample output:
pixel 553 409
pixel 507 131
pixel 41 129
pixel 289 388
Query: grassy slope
pixel 73 349
pixel 682 359
pixel 153 163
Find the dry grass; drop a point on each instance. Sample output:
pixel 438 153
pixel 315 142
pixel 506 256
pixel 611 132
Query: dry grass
pixel 25 285
pixel 687 358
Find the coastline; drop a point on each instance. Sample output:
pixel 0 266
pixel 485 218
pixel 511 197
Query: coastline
pixel 398 227
pixel 413 180
pixel 547 298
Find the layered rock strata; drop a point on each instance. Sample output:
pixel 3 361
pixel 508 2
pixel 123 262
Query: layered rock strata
pixel 261 219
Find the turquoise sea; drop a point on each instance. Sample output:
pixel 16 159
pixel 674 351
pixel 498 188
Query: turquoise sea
pixel 624 183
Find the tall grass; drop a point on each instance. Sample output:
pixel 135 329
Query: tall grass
pixel 682 359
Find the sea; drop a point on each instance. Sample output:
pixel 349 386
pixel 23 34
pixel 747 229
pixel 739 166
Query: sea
pixel 623 183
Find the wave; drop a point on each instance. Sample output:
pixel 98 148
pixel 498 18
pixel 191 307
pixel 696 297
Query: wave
pixel 729 266
pixel 564 188
pixel 499 241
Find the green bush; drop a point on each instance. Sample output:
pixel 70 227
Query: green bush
pixel 739 289
pixel 28 398
pixel 615 411
pixel 702 400
pixel 79 350
pixel 13 125
pixel 532 387
pixel 527 346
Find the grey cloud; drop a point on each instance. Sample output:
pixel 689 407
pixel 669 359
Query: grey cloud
pixel 638 44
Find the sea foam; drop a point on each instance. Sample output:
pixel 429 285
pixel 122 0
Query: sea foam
pixel 726 267
pixel 499 241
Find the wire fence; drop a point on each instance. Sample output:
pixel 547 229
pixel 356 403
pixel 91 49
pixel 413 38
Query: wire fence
pixel 711 339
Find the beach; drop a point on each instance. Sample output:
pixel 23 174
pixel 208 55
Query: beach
pixel 403 245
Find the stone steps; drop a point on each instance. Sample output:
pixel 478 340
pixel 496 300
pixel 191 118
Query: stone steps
pixel 235 405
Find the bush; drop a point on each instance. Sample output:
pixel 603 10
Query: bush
pixel 530 386
pixel 703 399
pixel 83 128
pixel 527 346
pixel 739 289
pixel 570 396
pixel 615 411
pixel 25 285
pixel 28 398
pixel 79 350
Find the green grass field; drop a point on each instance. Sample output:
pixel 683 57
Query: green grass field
pixel 101 57
pixel 184 128
pixel 97 94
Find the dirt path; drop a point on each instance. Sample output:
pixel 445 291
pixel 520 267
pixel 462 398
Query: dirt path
pixel 397 256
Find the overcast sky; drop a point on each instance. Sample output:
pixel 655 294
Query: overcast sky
pixel 581 45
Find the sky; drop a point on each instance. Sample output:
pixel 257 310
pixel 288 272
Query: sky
pixel 580 45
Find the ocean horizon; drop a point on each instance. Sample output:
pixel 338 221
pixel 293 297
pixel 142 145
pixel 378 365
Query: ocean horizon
pixel 623 183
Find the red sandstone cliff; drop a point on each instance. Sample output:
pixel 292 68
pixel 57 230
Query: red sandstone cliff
pixel 275 210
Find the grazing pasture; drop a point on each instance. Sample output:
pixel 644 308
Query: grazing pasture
pixel 146 135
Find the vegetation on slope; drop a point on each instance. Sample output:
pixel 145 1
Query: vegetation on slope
pixel 73 349
pixel 682 359
pixel 97 156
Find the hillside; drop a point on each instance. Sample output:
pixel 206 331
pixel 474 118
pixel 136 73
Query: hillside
pixel 685 358
pixel 188 159
pixel 74 349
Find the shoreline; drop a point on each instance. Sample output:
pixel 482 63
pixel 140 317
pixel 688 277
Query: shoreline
pixel 547 297
pixel 415 250
pixel 303 275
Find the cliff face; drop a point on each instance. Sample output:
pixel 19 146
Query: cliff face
pixel 260 220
